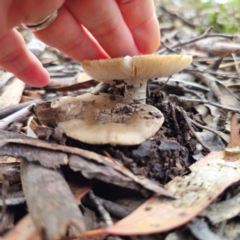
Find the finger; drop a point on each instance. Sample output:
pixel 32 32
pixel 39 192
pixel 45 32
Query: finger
pixel 140 18
pixel 25 11
pixel 105 22
pixel 16 58
pixel 67 35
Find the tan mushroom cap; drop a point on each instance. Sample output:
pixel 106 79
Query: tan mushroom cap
pixel 107 119
pixel 137 67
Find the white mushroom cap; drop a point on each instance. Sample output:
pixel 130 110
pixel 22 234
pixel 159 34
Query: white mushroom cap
pixel 107 119
pixel 137 67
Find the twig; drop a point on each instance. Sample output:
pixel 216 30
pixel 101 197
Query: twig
pixel 17 116
pixel 218 89
pixel 192 130
pixel 173 109
pixel 222 119
pixel 13 109
pixel 236 64
pixel 210 72
pixel 220 134
pixel 168 48
pixel 104 214
pixel 164 84
pixel 174 15
pixel 5 187
pixel 185 100
pixel 206 34
pixel 209 81
pixel 185 90
pixel 207 59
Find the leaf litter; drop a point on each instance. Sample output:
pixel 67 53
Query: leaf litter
pixel 191 155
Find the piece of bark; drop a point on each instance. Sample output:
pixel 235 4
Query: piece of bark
pixel 51 203
pixel 74 87
pixel 103 173
pixel 116 210
pixel 45 157
pixel 19 141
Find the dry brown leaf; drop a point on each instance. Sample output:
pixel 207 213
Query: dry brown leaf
pixel 227 98
pixel 24 230
pixel 11 93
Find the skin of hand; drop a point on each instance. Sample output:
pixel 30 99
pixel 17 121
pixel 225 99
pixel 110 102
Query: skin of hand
pixel 83 29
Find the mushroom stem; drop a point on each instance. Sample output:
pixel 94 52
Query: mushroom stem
pixel 137 91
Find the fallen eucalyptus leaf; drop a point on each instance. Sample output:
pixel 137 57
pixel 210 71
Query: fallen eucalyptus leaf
pixel 210 176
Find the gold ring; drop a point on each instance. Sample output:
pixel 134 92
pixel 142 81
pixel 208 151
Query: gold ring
pixel 43 23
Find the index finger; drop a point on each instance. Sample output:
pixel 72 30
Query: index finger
pixel 104 21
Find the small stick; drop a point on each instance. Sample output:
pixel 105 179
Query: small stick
pixel 12 109
pixel 185 100
pixel 220 134
pixel 174 15
pixel 192 130
pixel 168 48
pixel 206 34
pixel 161 88
pixel 105 215
pixel 5 187
pixel 17 116
pixel 173 108
pixel 210 72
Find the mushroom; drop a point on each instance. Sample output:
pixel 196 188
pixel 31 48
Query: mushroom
pixel 102 119
pixel 114 119
pixel 135 71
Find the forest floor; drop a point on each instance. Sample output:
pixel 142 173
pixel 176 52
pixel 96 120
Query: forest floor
pixel 182 183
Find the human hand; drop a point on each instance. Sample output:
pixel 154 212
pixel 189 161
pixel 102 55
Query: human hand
pixel 114 28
